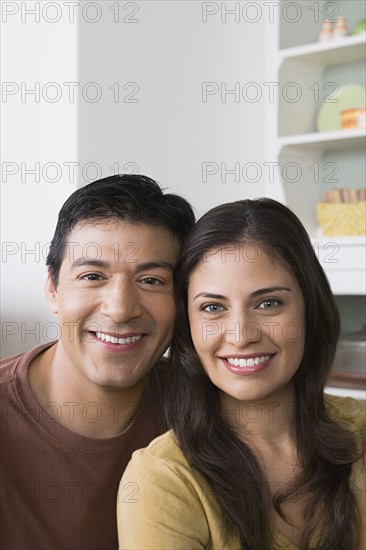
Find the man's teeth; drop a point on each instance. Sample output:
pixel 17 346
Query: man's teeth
pixel 115 340
pixel 251 362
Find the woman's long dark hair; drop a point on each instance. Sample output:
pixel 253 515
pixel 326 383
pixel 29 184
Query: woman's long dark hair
pixel 326 449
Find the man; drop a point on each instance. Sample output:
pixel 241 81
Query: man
pixel 74 411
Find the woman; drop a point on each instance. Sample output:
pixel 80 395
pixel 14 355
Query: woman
pixel 257 457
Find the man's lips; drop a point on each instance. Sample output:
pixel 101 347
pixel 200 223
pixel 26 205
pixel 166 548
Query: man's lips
pixel 118 338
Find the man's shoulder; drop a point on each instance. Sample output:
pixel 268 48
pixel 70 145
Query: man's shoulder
pixel 158 374
pixel 8 365
pixel 162 365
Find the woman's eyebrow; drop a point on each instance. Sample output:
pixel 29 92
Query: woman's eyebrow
pixel 261 291
pixel 209 295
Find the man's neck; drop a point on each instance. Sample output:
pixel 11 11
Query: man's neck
pixel 87 410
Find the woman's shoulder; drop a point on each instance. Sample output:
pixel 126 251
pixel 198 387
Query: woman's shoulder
pixel 173 506
pixel 164 447
pixel 347 410
pixel 163 453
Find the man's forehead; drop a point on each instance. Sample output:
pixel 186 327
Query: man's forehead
pixel 105 224
pixel 94 238
pixel 108 225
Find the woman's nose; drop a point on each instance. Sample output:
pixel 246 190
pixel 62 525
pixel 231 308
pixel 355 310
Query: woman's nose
pixel 240 329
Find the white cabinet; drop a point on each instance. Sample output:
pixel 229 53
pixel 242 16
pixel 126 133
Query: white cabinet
pixel 356 394
pixel 302 72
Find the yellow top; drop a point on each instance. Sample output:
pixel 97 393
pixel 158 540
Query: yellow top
pixel 165 504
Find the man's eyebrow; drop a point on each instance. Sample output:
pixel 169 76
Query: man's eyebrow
pixel 261 291
pixel 80 262
pixel 154 264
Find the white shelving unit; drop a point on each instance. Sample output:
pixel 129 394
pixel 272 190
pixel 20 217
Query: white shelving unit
pixel 356 394
pixel 298 66
pixel 324 141
pixel 326 54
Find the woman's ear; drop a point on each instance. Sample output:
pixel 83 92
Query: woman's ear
pixel 51 294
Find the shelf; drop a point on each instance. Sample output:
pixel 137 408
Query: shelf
pixel 351 380
pixel 336 52
pixel 325 141
pixel 354 240
pixel 343 259
pixel 341 253
pixel 292 139
pixel 345 392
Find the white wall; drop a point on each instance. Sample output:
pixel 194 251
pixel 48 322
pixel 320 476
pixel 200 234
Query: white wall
pixel 168 133
pixel 34 130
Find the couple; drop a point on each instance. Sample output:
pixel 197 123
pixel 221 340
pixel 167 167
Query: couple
pixel 256 458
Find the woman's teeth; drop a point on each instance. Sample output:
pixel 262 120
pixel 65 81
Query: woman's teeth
pixel 250 362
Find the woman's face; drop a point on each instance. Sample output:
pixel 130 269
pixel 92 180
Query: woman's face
pixel 247 320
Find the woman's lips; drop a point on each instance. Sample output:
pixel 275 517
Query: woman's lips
pixel 247 365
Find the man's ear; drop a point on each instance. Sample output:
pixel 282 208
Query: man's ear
pixel 51 294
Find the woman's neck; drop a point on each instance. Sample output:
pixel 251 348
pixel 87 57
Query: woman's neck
pixel 268 428
pixel 267 424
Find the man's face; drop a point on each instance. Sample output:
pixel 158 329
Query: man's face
pixel 115 302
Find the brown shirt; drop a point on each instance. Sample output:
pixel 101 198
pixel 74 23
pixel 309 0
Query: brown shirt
pixel 58 488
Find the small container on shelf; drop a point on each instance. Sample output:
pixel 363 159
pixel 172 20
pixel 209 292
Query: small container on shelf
pixel 340 28
pixel 326 34
pixel 353 118
pixel 333 30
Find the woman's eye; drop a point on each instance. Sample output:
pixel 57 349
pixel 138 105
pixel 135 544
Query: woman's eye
pixel 91 277
pixel 270 303
pixel 213 308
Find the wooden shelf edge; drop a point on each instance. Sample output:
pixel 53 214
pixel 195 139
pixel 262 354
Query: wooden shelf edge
pixel 349 380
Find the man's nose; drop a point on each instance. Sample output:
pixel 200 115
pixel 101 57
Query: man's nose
pixel 121 302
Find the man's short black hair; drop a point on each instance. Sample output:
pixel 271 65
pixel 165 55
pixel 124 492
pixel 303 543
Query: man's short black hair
pixel 129 197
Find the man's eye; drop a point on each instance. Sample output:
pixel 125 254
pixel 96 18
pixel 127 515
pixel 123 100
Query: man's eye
pixel 151 281
pixel 212 308
pixel 91 277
